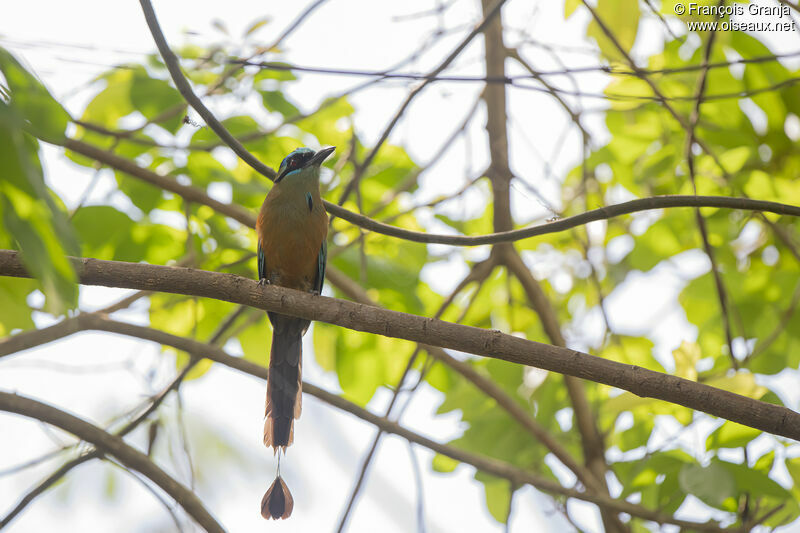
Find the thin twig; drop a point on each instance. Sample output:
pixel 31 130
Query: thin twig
pixel 510 80
pixel 171 61
pixel 164 503
pixel 115 446
pixel 131 425
pixel 198 195
pixel 722 293
pixel 489 465
pixel 488 16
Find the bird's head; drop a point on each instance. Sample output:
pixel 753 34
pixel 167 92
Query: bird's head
pixel 301 159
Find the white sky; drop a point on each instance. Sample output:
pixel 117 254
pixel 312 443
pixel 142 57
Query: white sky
pixel 68 43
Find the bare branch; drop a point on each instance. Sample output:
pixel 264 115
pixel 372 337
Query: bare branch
pixel 722 293
pixel 509 79
pixel 767 417
pixel 197 195
pixel 486 464
pixel 489 14
pixel 115 446
pixel 171 61
pixel 485 385
pixel 75 324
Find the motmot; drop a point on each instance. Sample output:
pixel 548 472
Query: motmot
pixel 292 228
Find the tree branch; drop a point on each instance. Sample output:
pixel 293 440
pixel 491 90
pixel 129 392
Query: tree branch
pixel 767 417
pixel 197 195
pixel 722 293
pixel 171 61
pixel 73 325
pixel 115 446
pixel 489 14
pixel 485 385
pixel 478 273
pixel 656 91
pixel 492 466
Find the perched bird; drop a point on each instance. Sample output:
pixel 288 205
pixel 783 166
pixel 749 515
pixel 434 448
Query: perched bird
pixel 292 227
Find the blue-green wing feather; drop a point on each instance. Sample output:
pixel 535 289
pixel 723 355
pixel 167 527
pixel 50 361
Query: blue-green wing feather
pixel 321 260
pixel 262 263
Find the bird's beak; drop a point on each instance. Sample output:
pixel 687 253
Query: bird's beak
pixel 321 156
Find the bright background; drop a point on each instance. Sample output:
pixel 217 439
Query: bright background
pixel 98 375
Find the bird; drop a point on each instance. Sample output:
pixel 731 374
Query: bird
pixel 292 228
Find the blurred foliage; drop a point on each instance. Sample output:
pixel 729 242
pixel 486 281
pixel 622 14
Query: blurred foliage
pixel 32 216
pixel 644 156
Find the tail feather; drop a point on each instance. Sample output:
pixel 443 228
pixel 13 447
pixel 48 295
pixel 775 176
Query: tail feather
pixel 278 501
pixel 284 384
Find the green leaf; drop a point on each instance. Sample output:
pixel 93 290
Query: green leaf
pixel 15 313
pixel 622 17
pixel 633 351
pixel 569 7
pixel 444 464
pixel 751 481
pixel 392 267
pixel 256 341
pixel 256 25
pixel 742 382
pixel 734 159
pixel 35 221
pixel 712 484
pixel 113 102
pixel 686 357
pixel 143 195
pixel 267 73
pixel 365 362
pixel 324 124
pixel 153 97
pixel 276 101
pixel 45 117
pixel 731 435
pixel 793 466
pixel 498 495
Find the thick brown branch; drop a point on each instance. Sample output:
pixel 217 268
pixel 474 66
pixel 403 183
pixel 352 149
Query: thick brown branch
pixel 483 383
pixel 116 447
pixel 488 343
pixel 486 464
pixel 499 173
pixel 79 323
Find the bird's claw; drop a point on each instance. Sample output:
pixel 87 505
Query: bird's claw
pixel 264 281
pixel 315 292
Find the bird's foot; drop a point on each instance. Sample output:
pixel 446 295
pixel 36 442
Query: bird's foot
pixel 264 281
pixel 315 292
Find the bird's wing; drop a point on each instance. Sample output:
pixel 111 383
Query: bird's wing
pixel 262 262
pixel 321 259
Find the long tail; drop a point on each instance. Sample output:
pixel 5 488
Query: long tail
pixel 278 501
pixel 284 384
